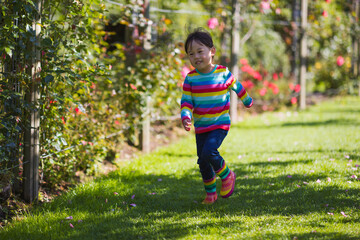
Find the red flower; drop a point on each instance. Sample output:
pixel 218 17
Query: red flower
pixel 247 69
pixel 325 14
pixel 297 88
pixel 293 100
pixel 275 76
pixel 340 61
pixel 327 1
pixel 77 110
pixel 257 76
pixel 63 120
pixel 248 84
pixel 117 122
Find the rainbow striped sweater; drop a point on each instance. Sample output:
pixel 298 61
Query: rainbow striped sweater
pixel 206 98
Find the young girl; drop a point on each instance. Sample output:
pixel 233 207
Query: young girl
pixel 206 100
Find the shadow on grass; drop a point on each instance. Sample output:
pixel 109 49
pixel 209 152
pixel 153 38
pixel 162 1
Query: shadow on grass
pixel 162 206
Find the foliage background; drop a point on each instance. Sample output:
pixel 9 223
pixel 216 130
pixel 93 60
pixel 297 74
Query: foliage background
pixel 94 87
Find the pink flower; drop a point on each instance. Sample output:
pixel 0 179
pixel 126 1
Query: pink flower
pixel 278 11
pixel 297 88
pixel 274 88
pixel 342 213
pixel 133 205
pixel 72 226
pixel 291 86
pixel 68 218
pixel 325 14
pixel 330 213
pixel 244 61
pixel 185 70
pixel 117 122
pixel 133 86
pixel 327 1
pixel 264 7
pixel 293 100
pixel 328 179
pixel 340 61
pixel 212 23
pixel 354 176
pixel 83 142
pixel 262 91
pixel 318 181
pixel 115 193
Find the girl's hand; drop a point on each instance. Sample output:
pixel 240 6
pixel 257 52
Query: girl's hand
pixel 187 124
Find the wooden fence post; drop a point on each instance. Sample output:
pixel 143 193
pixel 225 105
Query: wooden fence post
pixel 356 45
pixel 145 131
pixel 303 53
pixel 294 45
pixel 235 48
pixel 31 135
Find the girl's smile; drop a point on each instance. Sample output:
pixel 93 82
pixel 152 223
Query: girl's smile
pixel 201 57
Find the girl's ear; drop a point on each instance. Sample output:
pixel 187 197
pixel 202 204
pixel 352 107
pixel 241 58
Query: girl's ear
pixel 213 51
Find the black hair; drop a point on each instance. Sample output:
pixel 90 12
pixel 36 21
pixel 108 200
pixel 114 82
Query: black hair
pixel 199 35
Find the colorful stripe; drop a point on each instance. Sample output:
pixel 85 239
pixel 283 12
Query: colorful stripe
pixel 206 98
pixel 210 185
pixel 223 172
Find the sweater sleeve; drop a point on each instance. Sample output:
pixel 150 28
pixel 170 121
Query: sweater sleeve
pixel 186 101
pixel 237 87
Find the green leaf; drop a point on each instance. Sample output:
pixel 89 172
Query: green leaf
pixel 8 51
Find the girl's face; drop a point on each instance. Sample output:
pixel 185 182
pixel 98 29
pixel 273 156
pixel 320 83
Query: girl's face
pixel 201 56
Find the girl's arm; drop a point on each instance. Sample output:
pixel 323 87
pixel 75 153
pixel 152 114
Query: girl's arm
pixel 236 86
pixel 242 94
pixel 186 105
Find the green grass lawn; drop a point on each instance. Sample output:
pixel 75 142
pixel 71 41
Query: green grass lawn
pixel 295 180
